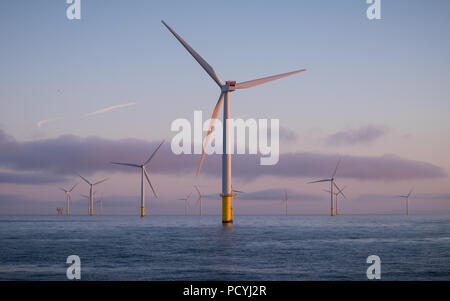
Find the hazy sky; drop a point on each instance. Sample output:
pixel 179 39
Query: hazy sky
pixel 76 94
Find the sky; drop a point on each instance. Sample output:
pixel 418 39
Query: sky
pixel 77 94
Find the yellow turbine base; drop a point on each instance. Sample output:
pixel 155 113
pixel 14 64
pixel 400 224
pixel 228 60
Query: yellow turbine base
pixel 227 209
pixel 142 211
pixel 91 213
pixel 332 212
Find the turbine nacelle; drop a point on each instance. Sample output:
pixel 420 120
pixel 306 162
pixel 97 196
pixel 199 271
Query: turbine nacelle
pixel 230 85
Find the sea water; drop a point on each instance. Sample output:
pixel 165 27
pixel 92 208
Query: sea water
pixel 201 248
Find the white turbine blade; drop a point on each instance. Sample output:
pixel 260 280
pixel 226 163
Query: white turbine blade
pixel 211 128
pixel 151 157
pixel 85 196
pixel 410 191
pixel 125 164
pixel 319 181
pixel 340 190
pixel 252 83
pixel 402 196
pixel 150 183
pixel 198 191
pixel 326 190
pixel 189 195
pixel 238 191
pixel 101 181
pixel 84 179
pixel 73 187
pixel 196 56
pixel 63 189
pixel 335 170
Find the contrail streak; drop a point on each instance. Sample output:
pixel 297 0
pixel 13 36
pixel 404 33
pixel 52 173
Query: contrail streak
pixel 42 122
pixel 110 109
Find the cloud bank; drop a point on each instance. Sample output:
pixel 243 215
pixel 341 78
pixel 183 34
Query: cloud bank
pixel 32 178
pixel 362 135
pixel 66 154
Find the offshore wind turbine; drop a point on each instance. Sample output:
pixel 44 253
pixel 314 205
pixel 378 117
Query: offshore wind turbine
pixel 68 198
pixel 336 195
pixel 406 197
pixel 91 193
pixel 186 203
pixel 143 174
pixel 87 197
pixel 332 185
pixel 285 200
pixel 101 205
pixel 200 197
pixel 224 99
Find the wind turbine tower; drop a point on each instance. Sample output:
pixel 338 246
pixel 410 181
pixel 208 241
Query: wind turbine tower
pixel 186 204
pixel 200 197
pixel 336 195
pixel 100 202
pixel 286 201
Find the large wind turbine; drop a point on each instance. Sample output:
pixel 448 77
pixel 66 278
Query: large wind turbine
pixel 91 193
pixel 68 198
pixel 332 185
pixel 143 174
pixel 186 203
pixel 336 195
pixel 224 98
pixel 406 197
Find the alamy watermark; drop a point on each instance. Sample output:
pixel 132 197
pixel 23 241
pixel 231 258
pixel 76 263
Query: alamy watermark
pixel 248 136
pixel 74 270
pixel 374 270
pixel 373 12
pixel 73 11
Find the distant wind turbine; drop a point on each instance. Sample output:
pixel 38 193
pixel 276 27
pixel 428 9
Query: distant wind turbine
pixel 143 174
pixel 285 199
pixel 225 89
pixel 186 203
pixel 406 197
pixel 336 195
pixel 100 202
pixel 91 193
pixel 68 198
pixel 200 197
pixel 332 185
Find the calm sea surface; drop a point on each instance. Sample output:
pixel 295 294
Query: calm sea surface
pixel 200 248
